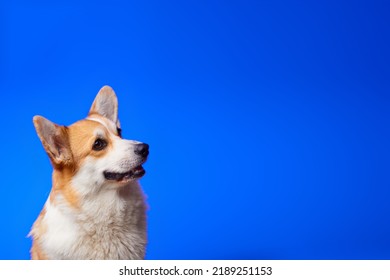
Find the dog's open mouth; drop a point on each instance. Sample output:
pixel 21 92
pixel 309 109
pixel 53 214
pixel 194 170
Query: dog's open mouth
pixel 134 173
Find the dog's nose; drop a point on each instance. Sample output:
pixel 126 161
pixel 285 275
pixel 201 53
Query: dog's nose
pixel 142 149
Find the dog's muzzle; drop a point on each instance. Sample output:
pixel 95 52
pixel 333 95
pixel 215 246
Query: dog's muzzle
pixel 141 150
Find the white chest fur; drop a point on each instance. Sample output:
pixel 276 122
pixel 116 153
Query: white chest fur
pixel 112 225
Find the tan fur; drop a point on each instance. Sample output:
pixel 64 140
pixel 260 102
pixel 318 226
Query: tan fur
pixel 62 184
pixel 81 140
pixel 38 230
pixel 36 252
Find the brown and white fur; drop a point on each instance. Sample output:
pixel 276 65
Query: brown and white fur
pixel 96 208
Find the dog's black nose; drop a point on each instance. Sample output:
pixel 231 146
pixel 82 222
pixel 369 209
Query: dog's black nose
pixel 142 149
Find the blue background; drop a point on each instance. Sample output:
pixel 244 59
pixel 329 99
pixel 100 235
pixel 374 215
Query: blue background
pixel 268 121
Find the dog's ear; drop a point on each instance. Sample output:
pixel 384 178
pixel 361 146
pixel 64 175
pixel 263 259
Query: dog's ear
pixel 106 104
pixel 54 139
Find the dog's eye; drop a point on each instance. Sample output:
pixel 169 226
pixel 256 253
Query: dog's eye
pixel 119 130
pixel 99 145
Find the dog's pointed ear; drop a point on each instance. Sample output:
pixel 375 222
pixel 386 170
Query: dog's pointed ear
pixel 105 104
pixel 54 139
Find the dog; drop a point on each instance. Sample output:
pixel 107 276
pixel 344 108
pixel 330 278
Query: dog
pixel 96 208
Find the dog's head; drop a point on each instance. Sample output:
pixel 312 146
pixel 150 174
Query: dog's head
pixel 91 152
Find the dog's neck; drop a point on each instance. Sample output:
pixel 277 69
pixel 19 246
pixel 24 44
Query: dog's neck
pixel 100 203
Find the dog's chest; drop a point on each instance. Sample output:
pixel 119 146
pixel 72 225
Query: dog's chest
pixel 111 230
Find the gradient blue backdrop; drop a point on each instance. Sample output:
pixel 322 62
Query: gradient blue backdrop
pixel 268 121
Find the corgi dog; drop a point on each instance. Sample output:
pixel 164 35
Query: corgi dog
pixel 96 208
